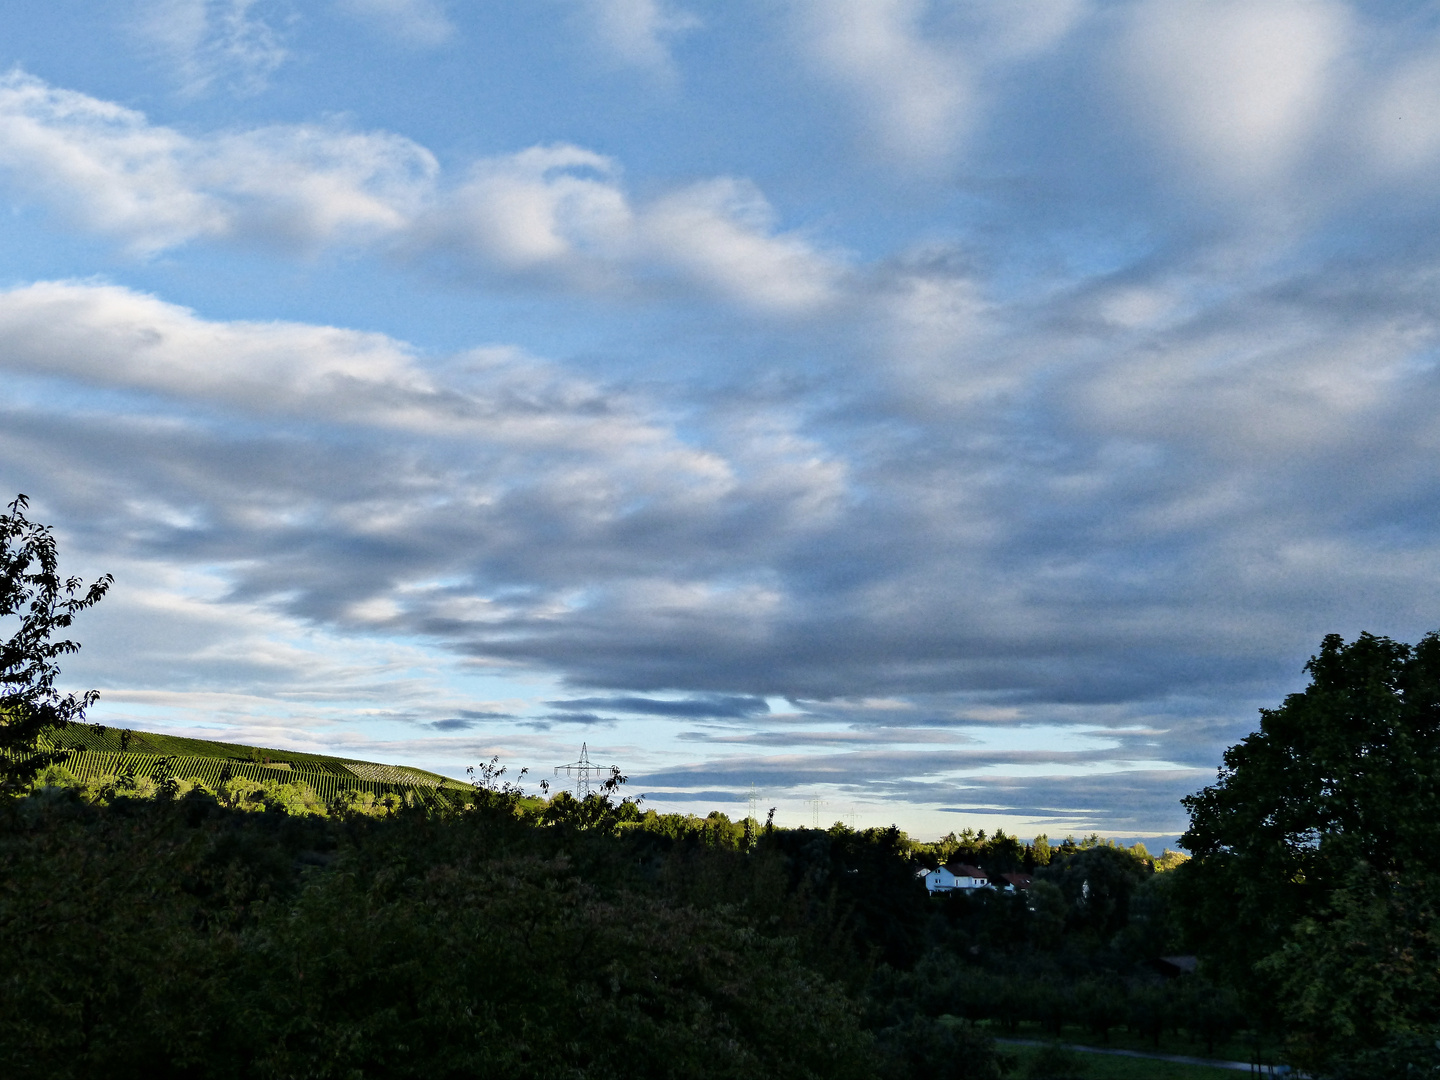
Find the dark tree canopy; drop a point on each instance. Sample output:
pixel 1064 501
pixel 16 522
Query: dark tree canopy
pixel 35 603
pixel 1322 830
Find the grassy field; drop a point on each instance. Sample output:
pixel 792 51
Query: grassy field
pixel 114 751
pixel 1242 1048
pixel 1113 1067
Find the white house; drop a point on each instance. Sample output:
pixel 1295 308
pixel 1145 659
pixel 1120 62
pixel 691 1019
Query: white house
pixel 957 876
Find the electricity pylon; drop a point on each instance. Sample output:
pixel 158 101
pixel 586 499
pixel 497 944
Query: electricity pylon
pixel 584 771
pixel 815 805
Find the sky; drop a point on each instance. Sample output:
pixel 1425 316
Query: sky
pixel 953 414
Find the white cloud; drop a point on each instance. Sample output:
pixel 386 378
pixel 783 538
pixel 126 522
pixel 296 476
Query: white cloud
pixel 108 169
pixel 1013 29
pixel 543 206
pixel 559 211
pixel 210 40
pixel 1238 88
pixel 917 94
pixel 109 337
pixel 1400 123
pixel 313 185
pixel 562 210
pixel 918 69
pixel 1277 109
pixel 419 22
pixel 722 232
pixel 103 165
pixel 636 32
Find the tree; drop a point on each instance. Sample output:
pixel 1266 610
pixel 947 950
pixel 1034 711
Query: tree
pixel 34 604
pixel 1361 981
pixel 1097 881
pixel 1336 797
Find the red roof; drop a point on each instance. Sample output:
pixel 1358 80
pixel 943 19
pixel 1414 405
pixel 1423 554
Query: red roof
pixel 1020 881
pixel 966 870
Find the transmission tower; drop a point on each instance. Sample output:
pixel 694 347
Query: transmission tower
pixel 584 772
pixel 815 805
pixel 754 814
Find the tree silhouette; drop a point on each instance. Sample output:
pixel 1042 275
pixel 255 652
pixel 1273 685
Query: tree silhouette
pixel 35 603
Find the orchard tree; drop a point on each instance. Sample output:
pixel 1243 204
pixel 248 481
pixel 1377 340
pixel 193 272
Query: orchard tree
pixel 35 603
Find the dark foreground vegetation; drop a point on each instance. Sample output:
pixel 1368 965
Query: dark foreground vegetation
pixel 486 933
pixel 181 938
pixel 241 926
pixel 508 936
pixel 1315 886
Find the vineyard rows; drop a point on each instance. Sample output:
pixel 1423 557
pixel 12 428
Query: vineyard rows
pixel 97 751
pixel 210 771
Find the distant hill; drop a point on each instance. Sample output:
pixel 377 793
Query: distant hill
pixel 97 752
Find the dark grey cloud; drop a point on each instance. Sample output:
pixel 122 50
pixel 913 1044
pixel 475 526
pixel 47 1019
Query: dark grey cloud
pixel 707 797
pixel 871 768
pixel 467 719
pixel 576 719
pixel 1138 799
pixel 710 706
pixel 861 735
pixel 965 783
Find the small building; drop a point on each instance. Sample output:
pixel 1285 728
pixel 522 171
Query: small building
pixel 957 877
pixel 1016 882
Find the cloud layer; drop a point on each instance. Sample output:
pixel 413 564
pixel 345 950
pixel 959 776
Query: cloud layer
pixel 1098 384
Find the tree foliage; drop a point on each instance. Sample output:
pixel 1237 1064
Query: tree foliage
pixel 1317 846
pixel 35 603
pixel 493 932
pixel 160 938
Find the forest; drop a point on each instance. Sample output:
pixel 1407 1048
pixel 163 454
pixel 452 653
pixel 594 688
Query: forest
pixel 219 925
pixel 179 934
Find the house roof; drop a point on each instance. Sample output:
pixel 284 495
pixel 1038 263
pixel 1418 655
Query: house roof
pixel 1020 881
pixel 966 870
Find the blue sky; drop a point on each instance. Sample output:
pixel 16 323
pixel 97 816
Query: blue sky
pixel 957 413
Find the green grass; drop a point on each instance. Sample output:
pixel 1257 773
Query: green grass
pixel 95 753
pixel 1112 1067
pixel 1240 1048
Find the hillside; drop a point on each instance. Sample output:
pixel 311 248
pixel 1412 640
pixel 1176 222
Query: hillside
pixel 98 751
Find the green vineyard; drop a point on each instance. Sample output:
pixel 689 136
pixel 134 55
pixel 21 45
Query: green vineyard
pixel 96 752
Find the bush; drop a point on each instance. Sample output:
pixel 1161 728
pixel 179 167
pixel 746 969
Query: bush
pixel 937 1050
pixel 1055 1062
